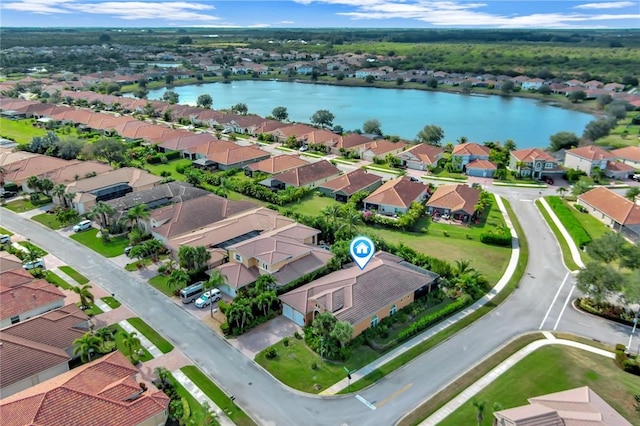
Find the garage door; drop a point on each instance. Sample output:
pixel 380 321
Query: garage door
pixel 293 315
pixel 228 290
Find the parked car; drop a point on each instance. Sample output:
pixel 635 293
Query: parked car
pixel 4 239
pixel 636 177
pixel 208 297
pixel 8 194
pixel 33 265
pixel 82 226
pixel 304 148
pixel 127 250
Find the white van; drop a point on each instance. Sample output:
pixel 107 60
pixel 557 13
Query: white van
pixel 191 293
pixel 82 226
pixel 208 298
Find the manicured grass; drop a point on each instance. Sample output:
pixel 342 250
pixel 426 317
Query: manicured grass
pixel 569 221
pixel 21 131
pixel 170 167
pixel 313 205
pixel 48 220
pixel 24 205
pixel 34 248
pixel 119 333
pixel 566 252
pixel 216 394
pixel 490 219
pixel 593 226
pixel 133 266
pixel 434 403
pixel 419 349
pixel 111 302
pixel 151 334
pixel 92 311
pixel 56 280
pixel 113 248
pixel 293 364
pixel 5 231
pixel 555 369
pixel 160 283
pixel 194 404
pixel 81 279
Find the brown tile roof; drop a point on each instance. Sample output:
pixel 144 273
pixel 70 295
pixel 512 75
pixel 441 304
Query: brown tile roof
pixel 425 153
pixel 482 164
pixel 620 209
pixel 26 297
pixel 382 146
pixel 351 182
pixel 15 277
pixel 37 165
pixel 237 275
pixel 237 155
pixel 68 174
pixel 129 175
pixel 297 130
pixel 8 156
pixel 213 147
pixel 591 153
pixel 630 153
pixel 471 148
pixel 9 262
pixel 400 192
pixel 177 219
pixel 617 166
pixel 351 140
pixel 277 164
pixel 355 295
pixel 321 137
pixel 98 393
pixel 528 155
pixel 455 198
pixel 187 141
pixel 308 173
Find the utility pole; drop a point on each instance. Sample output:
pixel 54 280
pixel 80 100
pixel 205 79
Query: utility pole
pixel 633 330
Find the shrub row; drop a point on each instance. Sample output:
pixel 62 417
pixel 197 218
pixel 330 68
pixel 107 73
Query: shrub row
pixel 625 362
pixel 496 238
pixel 427 321
pixel 571 224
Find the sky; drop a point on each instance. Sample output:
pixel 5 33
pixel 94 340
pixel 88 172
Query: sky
pixel 322 13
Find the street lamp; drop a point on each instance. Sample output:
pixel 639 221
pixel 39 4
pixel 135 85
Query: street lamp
pixel 633 330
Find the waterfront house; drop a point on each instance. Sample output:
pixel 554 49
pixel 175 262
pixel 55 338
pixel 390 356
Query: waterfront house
pixel 396 196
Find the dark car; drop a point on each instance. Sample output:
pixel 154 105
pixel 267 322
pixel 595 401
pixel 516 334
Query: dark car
pixel 8 194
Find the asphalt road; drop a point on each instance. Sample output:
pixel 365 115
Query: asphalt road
pixel 538 303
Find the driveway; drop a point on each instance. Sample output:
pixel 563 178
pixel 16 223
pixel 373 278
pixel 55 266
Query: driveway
pixel 265 335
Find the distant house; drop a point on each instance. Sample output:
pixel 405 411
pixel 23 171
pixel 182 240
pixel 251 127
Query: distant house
pixel 237 158
pixel 379 148
pixel 344 186
pixel 396 196
pixel 629 155
pixel 614 210
pixel 39 348
pixel 421 156
pixel 534 162
pixel 308 175
pixel 465 153
pixel 587 158
pixel 454 201
pixel 21 302
pixel 276 164
pixel 360 297
pixel 481 168
pixel 104 392
pixel 579 406
pixel 532 84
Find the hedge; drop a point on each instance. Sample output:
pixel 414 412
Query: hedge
pixel 499 238
pixel 427 321
pixel 571 224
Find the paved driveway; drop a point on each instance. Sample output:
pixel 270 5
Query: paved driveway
pixel 265 335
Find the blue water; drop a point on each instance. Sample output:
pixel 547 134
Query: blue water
pixel 401 112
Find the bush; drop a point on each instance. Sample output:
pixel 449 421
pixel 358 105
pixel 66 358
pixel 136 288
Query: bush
pixel 271 353
pixel 496 238
pixel 426 321
pixel 224 327
pixel 580 208
pixel 297 335
pixel 285 342
pixel 314 365
pixel 165 173
pixel 172 155
pixel 181 168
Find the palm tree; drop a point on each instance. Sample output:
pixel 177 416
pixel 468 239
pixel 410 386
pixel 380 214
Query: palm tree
pixel 105 334
pixel 59 191
pixel 103 213
pixel 332 212
pixel 216 279
pixel 45 185
pixel 479 406
pixel 632 193
pixel 265 300
pixel 162 374
pixel 224 188
pixel 86 345
pixel 245 313
pixel 463 266
pixel 138 213
pixel 86 297
pixel 178 279
pixel 520 165
pixel 562 190
pixel 33 183
pixel 131 343
pixel 342 332
pixel 351 219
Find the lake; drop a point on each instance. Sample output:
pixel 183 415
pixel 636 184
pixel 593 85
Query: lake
pixel 402 112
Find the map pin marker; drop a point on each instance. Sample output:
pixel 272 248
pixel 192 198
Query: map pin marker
pixel 362 250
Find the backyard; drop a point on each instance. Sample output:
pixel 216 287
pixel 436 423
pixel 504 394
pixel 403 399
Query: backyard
pixel 311 205
pixel 554 369
pixel 170 167
pixel 21 131
pixel 115 247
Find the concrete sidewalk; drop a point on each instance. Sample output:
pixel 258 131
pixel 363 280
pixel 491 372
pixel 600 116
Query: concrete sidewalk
pixel 575 252
pixel 153 349
pixel 73 283
pixel 201 397
pixel 491 376
pixel 511 267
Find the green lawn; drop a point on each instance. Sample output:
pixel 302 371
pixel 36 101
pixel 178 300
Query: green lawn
pixel 490 219
pixel 5 231
pixel 293 364
pixel 157 169
pixel 593 226
pixel 113 248
pixel 80 279
pixel 111 302
pixel 92 311
pixel 118 334
pixel 312 205
pixel 56 280
pixel 34 248
pixel 160 282
pixel 21 131
pixel 48 220
pixel 153 336
pixel 555 369
pixel 566 252
pixel 24 205
pixel 194 404
pixel 216 394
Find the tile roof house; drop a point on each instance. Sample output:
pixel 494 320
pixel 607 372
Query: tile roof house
pixel 308 175
pixel 534 162
pixel 629 155
pixel 287 253
pixel 39 348
pixel 481 168
pixel 344 186
pixel 172 220
pixel 465 153
pixel 421 156
pixel 276 164
pixel 9 262
pixel 15 277
pixel 396 196
pixel 110 185
pixel 579 406
pixel 587 158
pixel 361 297
pixel 296 130
pixel 237 157
pixel 349 141
pixel 21 302
pixel 103 392
pixel 613 210
pixel 454 201
pixel 379 148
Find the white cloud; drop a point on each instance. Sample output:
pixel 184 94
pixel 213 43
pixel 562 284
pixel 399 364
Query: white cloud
pixel 133 10
pixel 606 5
pixel 286 22
pixel 38 6
pixel 258 26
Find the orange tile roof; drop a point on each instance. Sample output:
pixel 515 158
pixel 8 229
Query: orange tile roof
pixel 101 393
pixel 399 192
pixel 351 182
pixel 617 166
pixel 591 152
pixel 528 155
pixel 308 173
pixel 15 277
pixel 24 298
pixel 237 155
pixel 382 146
pixel 277 164
pixel 471 148
pixel 631 153
pixel 427 154
pixel 620 209
pixel 482 164
pixel 455 198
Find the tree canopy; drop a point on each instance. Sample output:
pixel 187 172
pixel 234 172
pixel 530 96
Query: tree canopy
pixel 372 127
pixel 431 134
pixel 204 101
pixel 323 118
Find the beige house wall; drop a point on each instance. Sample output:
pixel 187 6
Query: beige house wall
pixel 365 323
pixel 159 419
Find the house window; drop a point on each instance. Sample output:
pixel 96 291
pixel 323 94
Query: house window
pixel 374 321
pixel 548 165
pixel 393 311
pixel 265 266
pixel 237 257
pixel 15 319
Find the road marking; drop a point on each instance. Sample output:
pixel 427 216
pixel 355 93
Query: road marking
pixel 566 302
pixel 365 402
pixel 393 395
pixel 526 201
pixel 554 301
